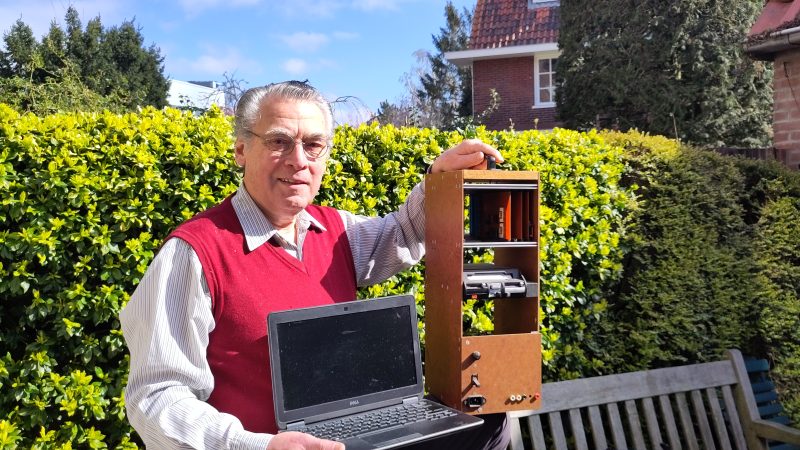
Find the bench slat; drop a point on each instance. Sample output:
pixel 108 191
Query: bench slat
pixel 669 420
pixel 580 393
pixel 733 416
pixel 635 424
pixel 537 435
pixel 762 386
pixel 558 430
pixel 756 365
pixel 596 421
pixel 719 421
pixel 702 420
pixel 617 431
pixel 652 423
pixel 577 429
pixel 686 422
pixel 516 435
pixel 766 397
pixel 770 410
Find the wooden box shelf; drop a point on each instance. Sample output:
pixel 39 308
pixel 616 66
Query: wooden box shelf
pixel 507 371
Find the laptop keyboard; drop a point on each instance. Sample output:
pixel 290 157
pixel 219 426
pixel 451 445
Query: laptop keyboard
pixel 354 426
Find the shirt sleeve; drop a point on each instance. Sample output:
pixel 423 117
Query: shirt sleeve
pixel 166 325
pixel 384 246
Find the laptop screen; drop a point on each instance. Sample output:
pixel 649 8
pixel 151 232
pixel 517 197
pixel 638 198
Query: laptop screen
pixel 334 358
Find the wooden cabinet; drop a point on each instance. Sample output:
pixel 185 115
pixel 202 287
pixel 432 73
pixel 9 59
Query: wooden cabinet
pixel 506 370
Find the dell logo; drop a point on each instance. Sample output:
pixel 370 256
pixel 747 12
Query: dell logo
pixel 354 402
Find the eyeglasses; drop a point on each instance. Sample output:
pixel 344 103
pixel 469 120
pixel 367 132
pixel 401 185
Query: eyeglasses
pixel 280 144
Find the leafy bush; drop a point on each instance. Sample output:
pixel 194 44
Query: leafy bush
pixel 372 170
pixel 62 91
pixel 778 320
pixel 712 264
pixel 85 200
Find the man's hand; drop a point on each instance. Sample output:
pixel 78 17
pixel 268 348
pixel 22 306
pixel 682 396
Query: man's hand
pixel 292 440
pixel 467 155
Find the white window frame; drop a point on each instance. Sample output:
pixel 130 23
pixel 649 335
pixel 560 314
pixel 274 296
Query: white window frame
pixel 536 58
pixel 533 4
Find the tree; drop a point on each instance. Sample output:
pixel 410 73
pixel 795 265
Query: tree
pixel 106 60
pixel 674 67
pixel 438 94
pixel 447 88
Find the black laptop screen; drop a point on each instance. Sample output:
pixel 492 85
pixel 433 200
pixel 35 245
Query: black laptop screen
pixel 340 357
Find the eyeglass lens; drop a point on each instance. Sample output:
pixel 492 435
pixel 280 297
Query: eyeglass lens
pixel 284 145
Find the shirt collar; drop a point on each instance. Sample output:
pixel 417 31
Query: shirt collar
pixel 258 230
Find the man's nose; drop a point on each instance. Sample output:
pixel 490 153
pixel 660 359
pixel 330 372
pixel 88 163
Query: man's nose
pixel 297 157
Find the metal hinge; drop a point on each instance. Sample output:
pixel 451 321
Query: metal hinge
pixel 410 400
pixel 295 425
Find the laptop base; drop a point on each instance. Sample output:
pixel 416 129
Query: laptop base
pixel 425 420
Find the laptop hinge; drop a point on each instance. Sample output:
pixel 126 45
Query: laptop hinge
pixel 409 400
pixel 295 425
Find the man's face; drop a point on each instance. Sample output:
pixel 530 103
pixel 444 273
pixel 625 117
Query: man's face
pixel 283 185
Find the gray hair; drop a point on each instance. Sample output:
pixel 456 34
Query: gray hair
pixel 248 110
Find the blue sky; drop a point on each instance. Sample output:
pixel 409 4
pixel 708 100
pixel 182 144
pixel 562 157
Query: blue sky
pixel 343 47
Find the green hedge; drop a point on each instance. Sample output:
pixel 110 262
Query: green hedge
pixel 713 262
pixel 85 200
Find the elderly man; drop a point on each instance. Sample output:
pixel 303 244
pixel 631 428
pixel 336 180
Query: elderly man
pixel 196 325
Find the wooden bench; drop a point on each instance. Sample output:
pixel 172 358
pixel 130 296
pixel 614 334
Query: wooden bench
pixel 713 401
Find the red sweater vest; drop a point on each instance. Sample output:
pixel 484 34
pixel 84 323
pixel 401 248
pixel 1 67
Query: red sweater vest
pixel 246 286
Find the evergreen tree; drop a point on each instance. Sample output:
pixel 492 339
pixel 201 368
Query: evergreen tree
pixel 20 49
pixel 447 89
pixel 108 61
pixel 670 67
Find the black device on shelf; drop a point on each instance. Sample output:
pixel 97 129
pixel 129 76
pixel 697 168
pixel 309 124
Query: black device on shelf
pixel 491 281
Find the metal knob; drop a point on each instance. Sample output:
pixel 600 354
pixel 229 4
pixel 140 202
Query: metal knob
pixel 476 355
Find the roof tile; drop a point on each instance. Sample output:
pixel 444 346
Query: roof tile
pixel 776 15
pixel 510 22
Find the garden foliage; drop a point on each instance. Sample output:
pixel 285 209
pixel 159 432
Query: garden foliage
pixel 675 68
pixel 86 200
pixel 712 263
pixel 106 60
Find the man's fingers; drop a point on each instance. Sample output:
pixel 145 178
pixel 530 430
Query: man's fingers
pixel 476 146
pixel 328 445
pixel 299 441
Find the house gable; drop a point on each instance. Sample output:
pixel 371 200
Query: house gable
pixel 501 23
pixel 512 49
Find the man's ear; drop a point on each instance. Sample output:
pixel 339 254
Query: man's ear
pixel 239 152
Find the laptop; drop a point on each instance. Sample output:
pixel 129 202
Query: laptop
pixel 352 372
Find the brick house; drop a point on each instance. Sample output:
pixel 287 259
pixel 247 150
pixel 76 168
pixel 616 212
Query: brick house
pixel 513 49
pixel 776 37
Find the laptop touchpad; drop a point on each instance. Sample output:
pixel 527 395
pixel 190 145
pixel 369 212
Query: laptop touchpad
pixel 396 435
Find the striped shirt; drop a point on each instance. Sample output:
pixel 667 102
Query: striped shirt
pixel 168 319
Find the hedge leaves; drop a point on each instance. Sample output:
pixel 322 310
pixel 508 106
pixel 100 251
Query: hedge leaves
pixel 87 198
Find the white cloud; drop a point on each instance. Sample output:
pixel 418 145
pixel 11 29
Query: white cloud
pixel 304 42
pixel 295 66
pixel 214 63
pixel 344 35
pixel 195 7
pixel 324 8
pixel 298 66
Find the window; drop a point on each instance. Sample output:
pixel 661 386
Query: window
pixel 533 4
pixel 545 82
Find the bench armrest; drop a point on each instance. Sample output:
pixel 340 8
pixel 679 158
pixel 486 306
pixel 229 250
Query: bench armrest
pixel 777 432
